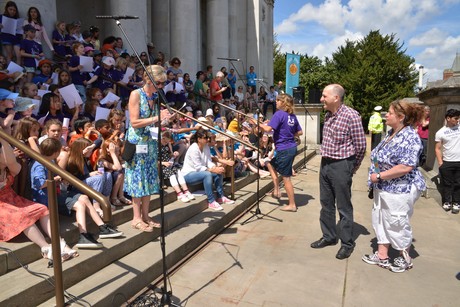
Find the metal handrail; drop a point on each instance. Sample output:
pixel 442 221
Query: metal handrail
pixel 53 207
pixel 74 181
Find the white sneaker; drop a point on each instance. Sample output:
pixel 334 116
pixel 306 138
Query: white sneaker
pixel 455 208
pixel 183 198
pixel 190 195
pixel 215 206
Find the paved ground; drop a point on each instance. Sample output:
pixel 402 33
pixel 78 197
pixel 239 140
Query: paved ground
pixel 270 263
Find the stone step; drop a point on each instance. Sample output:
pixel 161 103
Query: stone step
pixel 24 251
pixel 134 261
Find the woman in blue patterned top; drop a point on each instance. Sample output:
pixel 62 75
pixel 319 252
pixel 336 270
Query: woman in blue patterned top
pixel 141 176
pixel 397 185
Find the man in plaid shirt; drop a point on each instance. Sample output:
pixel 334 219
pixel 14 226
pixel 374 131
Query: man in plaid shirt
pixel 342 150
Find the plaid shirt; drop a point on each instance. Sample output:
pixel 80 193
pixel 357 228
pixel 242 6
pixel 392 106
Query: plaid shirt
pixel 343 135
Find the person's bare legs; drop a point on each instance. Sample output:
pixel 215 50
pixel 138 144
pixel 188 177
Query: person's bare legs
pixel 276 188
pixel 80 216
pixel 383 250
pixel 35 235
pixel 45 225
pixel 291 206
pixel 117 189
pixel 145 205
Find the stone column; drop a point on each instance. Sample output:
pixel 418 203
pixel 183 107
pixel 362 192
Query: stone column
pixel 310 123
pixel 185 34
pixel 240 43
pixel 253 35
pixel 217 32
pixel 233 9
pixel 161 30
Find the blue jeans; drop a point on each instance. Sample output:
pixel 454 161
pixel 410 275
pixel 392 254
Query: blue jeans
pixel 207 178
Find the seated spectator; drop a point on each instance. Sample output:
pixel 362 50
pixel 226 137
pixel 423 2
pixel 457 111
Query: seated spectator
pixel 45 75
pixel 24 107
pixel 171 170
pixel 27 133
pixel 69 200
pixel 110 158
pixel 81 129
pixel 53 130
pixel 51 108
pixel 19 215
pixel 80 166
pixel 90 109
pixel 6 110
pixel 199 168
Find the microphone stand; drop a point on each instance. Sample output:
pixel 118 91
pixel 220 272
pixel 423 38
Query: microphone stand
pixel 239 76
pixel 304 166
pixel 257 213
pixel 165 299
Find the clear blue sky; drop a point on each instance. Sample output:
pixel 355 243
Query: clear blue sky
pixel 429 29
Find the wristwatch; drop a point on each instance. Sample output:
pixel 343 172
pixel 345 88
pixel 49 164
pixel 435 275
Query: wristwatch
pixel 378 176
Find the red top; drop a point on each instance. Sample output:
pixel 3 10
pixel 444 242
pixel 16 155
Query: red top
pixel 215 85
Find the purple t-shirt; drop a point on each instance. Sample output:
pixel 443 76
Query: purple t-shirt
pixel 31 47
pixel 285 126
pixel 77 77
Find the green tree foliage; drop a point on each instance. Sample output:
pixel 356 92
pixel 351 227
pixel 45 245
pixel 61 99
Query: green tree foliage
pixel 374 71
pixel 279 62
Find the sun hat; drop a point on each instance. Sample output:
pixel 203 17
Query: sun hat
pixel 6 94
pixel 209 112
pixel 88 48
pixel 43 62
pixel 203 120
pixel 108 60
pixel 378 108
pixel 23 104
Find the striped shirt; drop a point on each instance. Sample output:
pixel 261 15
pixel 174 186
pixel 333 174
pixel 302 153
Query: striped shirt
pixel 343 135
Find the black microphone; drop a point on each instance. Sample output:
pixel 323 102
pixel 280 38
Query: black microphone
pixel 117 17
pixel 229 59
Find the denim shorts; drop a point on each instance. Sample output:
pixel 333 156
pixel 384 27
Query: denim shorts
pixel 283 160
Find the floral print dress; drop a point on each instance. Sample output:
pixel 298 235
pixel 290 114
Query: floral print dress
pixel 141 175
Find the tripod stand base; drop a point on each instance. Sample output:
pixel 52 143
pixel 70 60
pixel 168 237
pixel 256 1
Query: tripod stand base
pixel 257 214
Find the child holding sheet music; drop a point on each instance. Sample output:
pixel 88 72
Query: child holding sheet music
pixel 10 41
pixel 79 78
pixel 31 51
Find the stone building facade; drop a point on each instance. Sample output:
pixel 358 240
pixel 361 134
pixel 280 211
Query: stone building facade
pixel 196 31
pixel 441 95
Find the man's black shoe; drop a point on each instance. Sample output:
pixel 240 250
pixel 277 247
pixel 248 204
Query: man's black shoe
pixel 322 243
pixel 344 252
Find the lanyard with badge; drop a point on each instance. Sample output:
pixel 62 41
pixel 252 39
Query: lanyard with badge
pixel 143 149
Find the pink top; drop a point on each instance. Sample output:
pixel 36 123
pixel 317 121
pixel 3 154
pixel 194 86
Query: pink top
pixel 423 132
pixel 41 34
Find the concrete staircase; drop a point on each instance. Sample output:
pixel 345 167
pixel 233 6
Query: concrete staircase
pixel 126 265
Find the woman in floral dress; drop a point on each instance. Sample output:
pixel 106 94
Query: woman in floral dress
pixel 141 176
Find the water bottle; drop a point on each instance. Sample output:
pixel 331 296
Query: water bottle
pixel 100 167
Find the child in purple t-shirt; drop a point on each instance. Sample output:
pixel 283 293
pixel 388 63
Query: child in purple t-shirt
pixel 30 51
pixel 285 127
